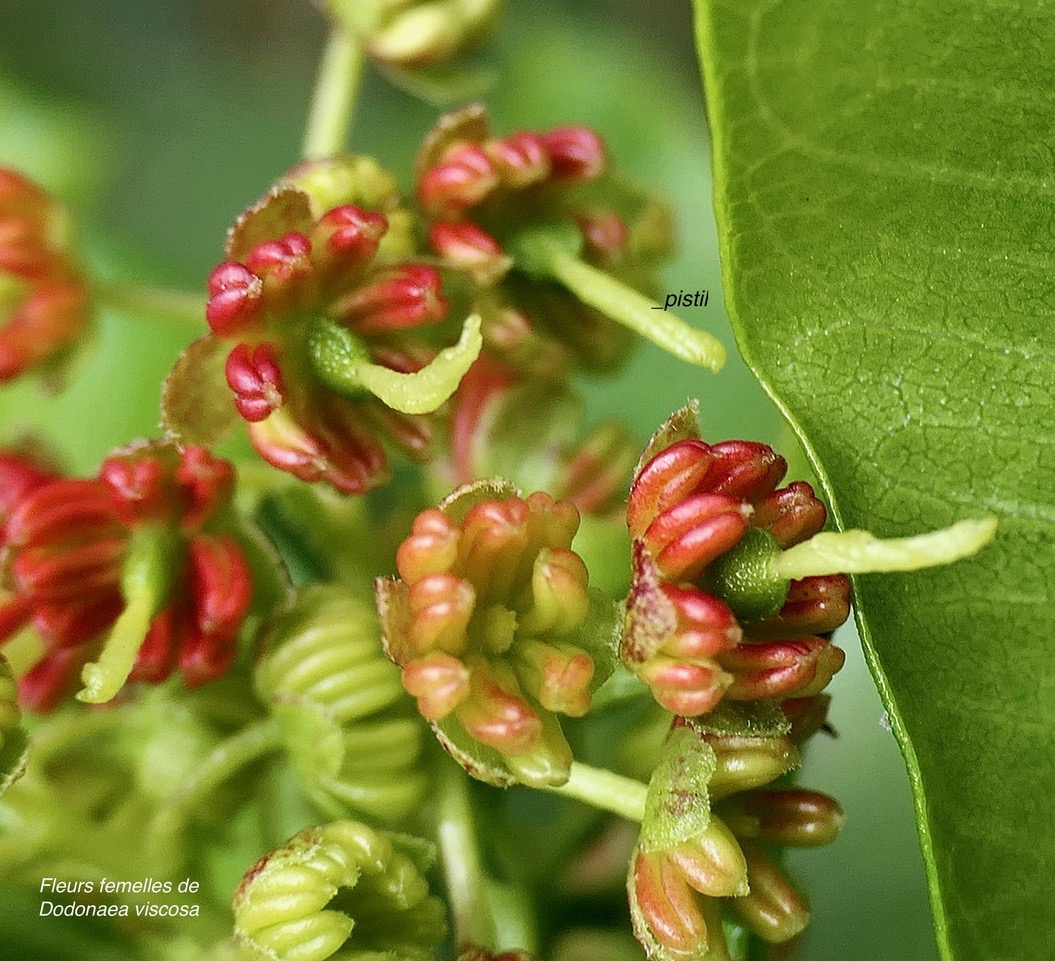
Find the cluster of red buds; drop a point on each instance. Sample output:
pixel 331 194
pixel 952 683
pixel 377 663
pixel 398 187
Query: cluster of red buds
pixel 320 329
pixel 484 195
pixel 699 516
pixel 713 820
pixel 147 550
pixel 491 623
pixel 44 307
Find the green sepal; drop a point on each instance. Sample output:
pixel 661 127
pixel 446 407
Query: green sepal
pixel 284 209
pixel 196 405
pixel 457 504
pixel 743 719
pixel 342 362
pixel 683 424
pixel 677 807
pixel 743 578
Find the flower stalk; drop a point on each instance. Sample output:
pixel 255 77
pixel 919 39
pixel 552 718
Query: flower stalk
pixel 334 97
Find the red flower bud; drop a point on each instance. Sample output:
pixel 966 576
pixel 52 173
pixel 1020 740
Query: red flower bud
pixel 576 153
pixel 667 479
pixel 780 669
pixel 235 298
pixel 470 248
pixel 221 585
pixel 348 237
pixel 51 316
pixel 206 483
pixel 393 299
pixel 254 376
pixel 285 269
pixel 463 178
pixel 814 605
pixel 141 484
pixel 745 470
pixel 521 159
pixel 792 514
pixel 53 679
pixel 688 536
pixel 794 817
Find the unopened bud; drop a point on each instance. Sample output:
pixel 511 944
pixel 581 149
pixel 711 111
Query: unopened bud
pixel 779 669
pixel 789 816
pixel 235 298
pixel 576 153
pixel 773 909
pixel 745 762
pixel 255 377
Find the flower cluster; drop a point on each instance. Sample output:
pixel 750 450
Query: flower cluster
pixel 305 299
pixel 711 824
pixel 491 624
pixel 699 515
pixel 383 907
pixel 490 201
pixel 44 306
pixel 147 544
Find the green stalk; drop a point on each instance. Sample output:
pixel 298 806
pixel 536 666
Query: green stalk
pixel 334 97
pixel 161 302
pixel 462 865
pixel 605 790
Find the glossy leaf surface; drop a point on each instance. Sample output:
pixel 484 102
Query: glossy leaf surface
pixel 884 198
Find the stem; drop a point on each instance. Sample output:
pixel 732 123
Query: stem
pixel 160 302
pixel 631 309
pixel 462 865
pixel 333 100
pixel 859 552
pixel 237 751
pixel 606 790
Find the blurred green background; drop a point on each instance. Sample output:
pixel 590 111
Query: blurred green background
pixel 158 121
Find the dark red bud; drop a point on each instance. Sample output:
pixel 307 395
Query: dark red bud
pixel 235 298
pixel 464 177
pixel 745 470
pixel 395 298
pixel 814 605
pixel 792 514
pixel 576 153
pixel 668 478
pixel 254 376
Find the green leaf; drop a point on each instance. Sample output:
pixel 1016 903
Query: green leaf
pixel 884 204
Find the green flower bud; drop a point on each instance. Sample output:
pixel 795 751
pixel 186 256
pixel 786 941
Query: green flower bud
pixel 349 729
pixel 382 910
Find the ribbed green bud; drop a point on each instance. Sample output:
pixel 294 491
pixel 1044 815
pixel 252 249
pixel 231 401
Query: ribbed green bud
pixel 383 908
pixel 349 728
